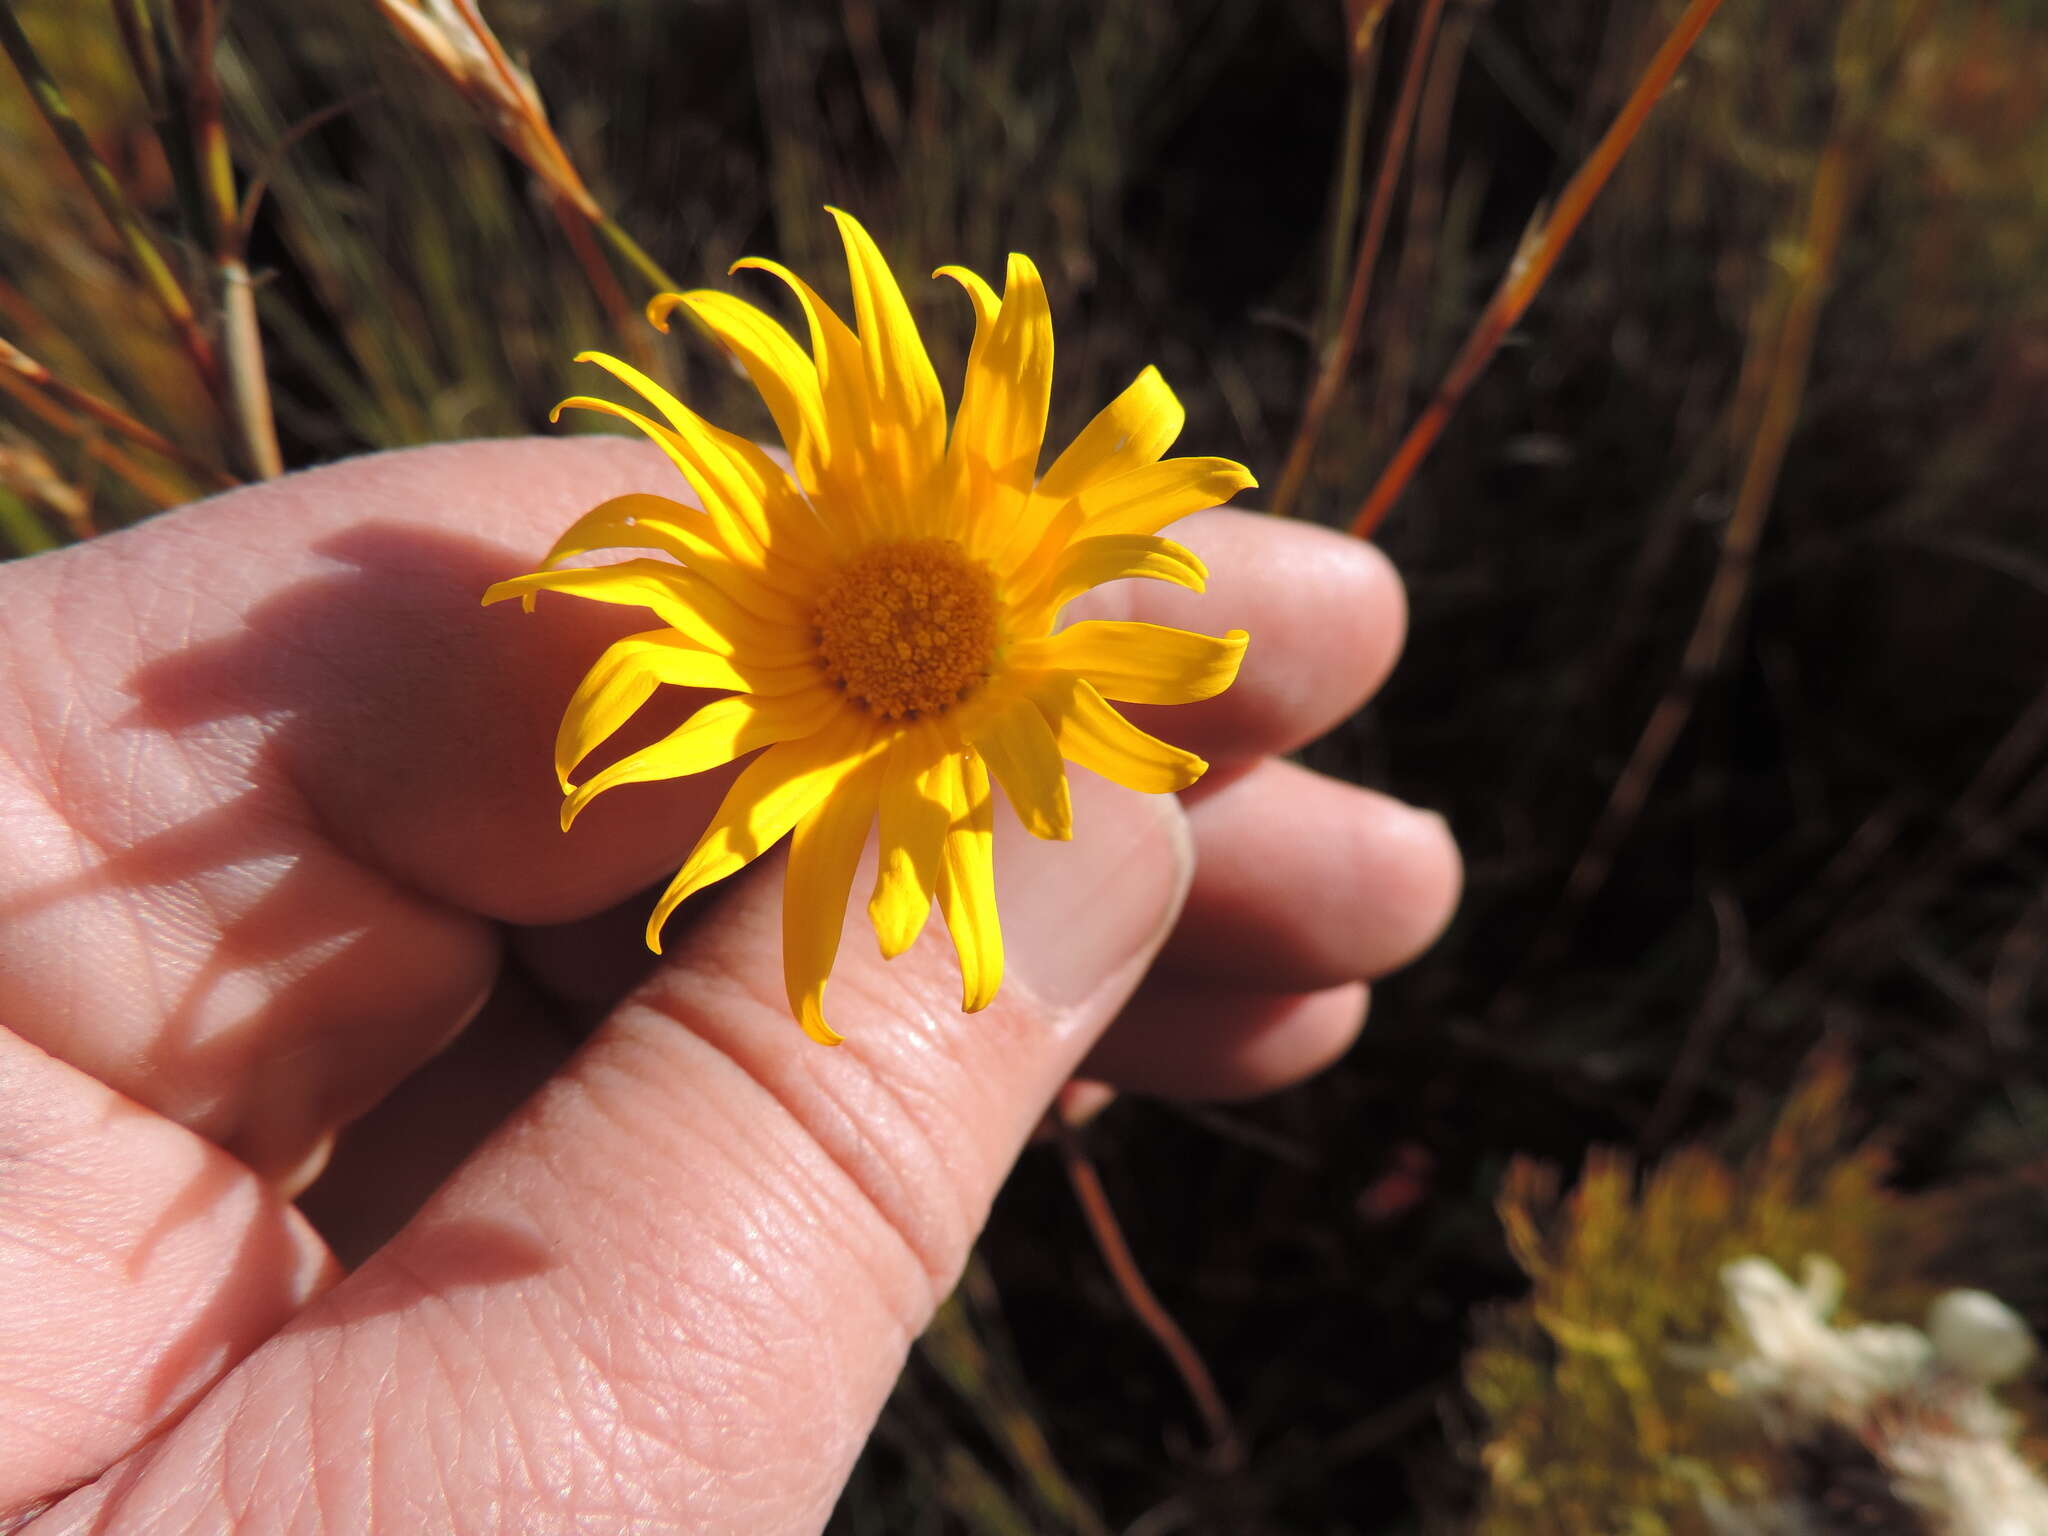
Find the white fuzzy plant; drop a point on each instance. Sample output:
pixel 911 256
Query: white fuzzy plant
pixel 1912 1404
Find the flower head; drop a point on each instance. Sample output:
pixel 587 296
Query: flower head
pixel 884 616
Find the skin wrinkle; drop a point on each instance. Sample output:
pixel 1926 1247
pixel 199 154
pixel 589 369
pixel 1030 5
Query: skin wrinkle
pixel 781 1300
pixel 635 1444
pixel 896 1180
pixel 854 1170
pixel 748 1130
pixel 886 993
pixel 517 1459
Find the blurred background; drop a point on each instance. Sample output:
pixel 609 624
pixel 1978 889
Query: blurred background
pixel 1730 592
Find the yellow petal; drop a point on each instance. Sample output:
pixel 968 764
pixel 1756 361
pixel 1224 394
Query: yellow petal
pixel 842 386
pixel 640 521
pixel 681 597
pixel 647 584
pixel 769 485
pixel 1019 747
pixel 822 858
pixel 967 880
pixel 1130 432
pixel 1145 500
pixel 1088 563
pixel 772 794
pixel 746 494
pixel 629 671
pixel 903 389
pixel 914 816
pixel 1000 428
pixel 983 298
pixel 712 737
pixel 1137 663
pixel 1094 735
pixel 785 376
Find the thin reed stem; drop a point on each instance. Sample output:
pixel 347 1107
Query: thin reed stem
pixel 138 37
pixel 1361 45
pixel 576 230
pixel 18 362
pixel 1790 353
pixel 1838 179
pixel 1532 265
pixel 248 381
pixel 1336 359
pixel 1343 198
pixel 1226 1451
pixel 151 485
pixel 611 298
pixel 628 250
pixel 127 224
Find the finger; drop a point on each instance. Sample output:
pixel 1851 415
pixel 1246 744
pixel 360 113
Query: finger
pixel 1326 612
pixel 137 1262
pixel 1303 882
pixel 684 1278
pixel 269 758
pixel 1206 1042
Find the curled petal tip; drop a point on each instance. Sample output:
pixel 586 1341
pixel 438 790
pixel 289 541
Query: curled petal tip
pixel 659 308
pixel 813 1021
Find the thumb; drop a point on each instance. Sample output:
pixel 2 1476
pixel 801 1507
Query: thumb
pixel 681 1281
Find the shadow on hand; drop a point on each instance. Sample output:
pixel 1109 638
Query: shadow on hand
pixel 307 811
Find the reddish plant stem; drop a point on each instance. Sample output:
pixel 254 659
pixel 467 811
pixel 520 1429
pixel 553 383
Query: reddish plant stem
pixel 18 362
pixel 1533 262
pixel 1336 360
pixel 1225 1450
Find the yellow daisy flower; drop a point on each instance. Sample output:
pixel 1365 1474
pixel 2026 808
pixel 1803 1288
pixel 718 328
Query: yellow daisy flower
pixel 884 617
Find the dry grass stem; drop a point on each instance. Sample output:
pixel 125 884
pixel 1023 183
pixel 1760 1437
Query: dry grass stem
pixel 1226 1451
pixel 159 490
pixel 1532 264
pixel 136 240
pixel 248 382
pixel 1838 180
pixel 453 37
pixel 18 362
pixel 1336 360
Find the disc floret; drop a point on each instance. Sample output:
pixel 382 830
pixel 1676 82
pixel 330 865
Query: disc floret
pixel 908 629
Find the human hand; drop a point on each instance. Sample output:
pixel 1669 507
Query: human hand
pixel 277 822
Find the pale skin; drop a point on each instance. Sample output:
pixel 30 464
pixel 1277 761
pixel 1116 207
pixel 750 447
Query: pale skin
pixel 610 1244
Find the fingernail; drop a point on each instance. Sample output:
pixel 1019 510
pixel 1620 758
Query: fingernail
pixel 1083 919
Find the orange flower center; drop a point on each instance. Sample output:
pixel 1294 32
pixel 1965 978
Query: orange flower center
pixel 908 628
